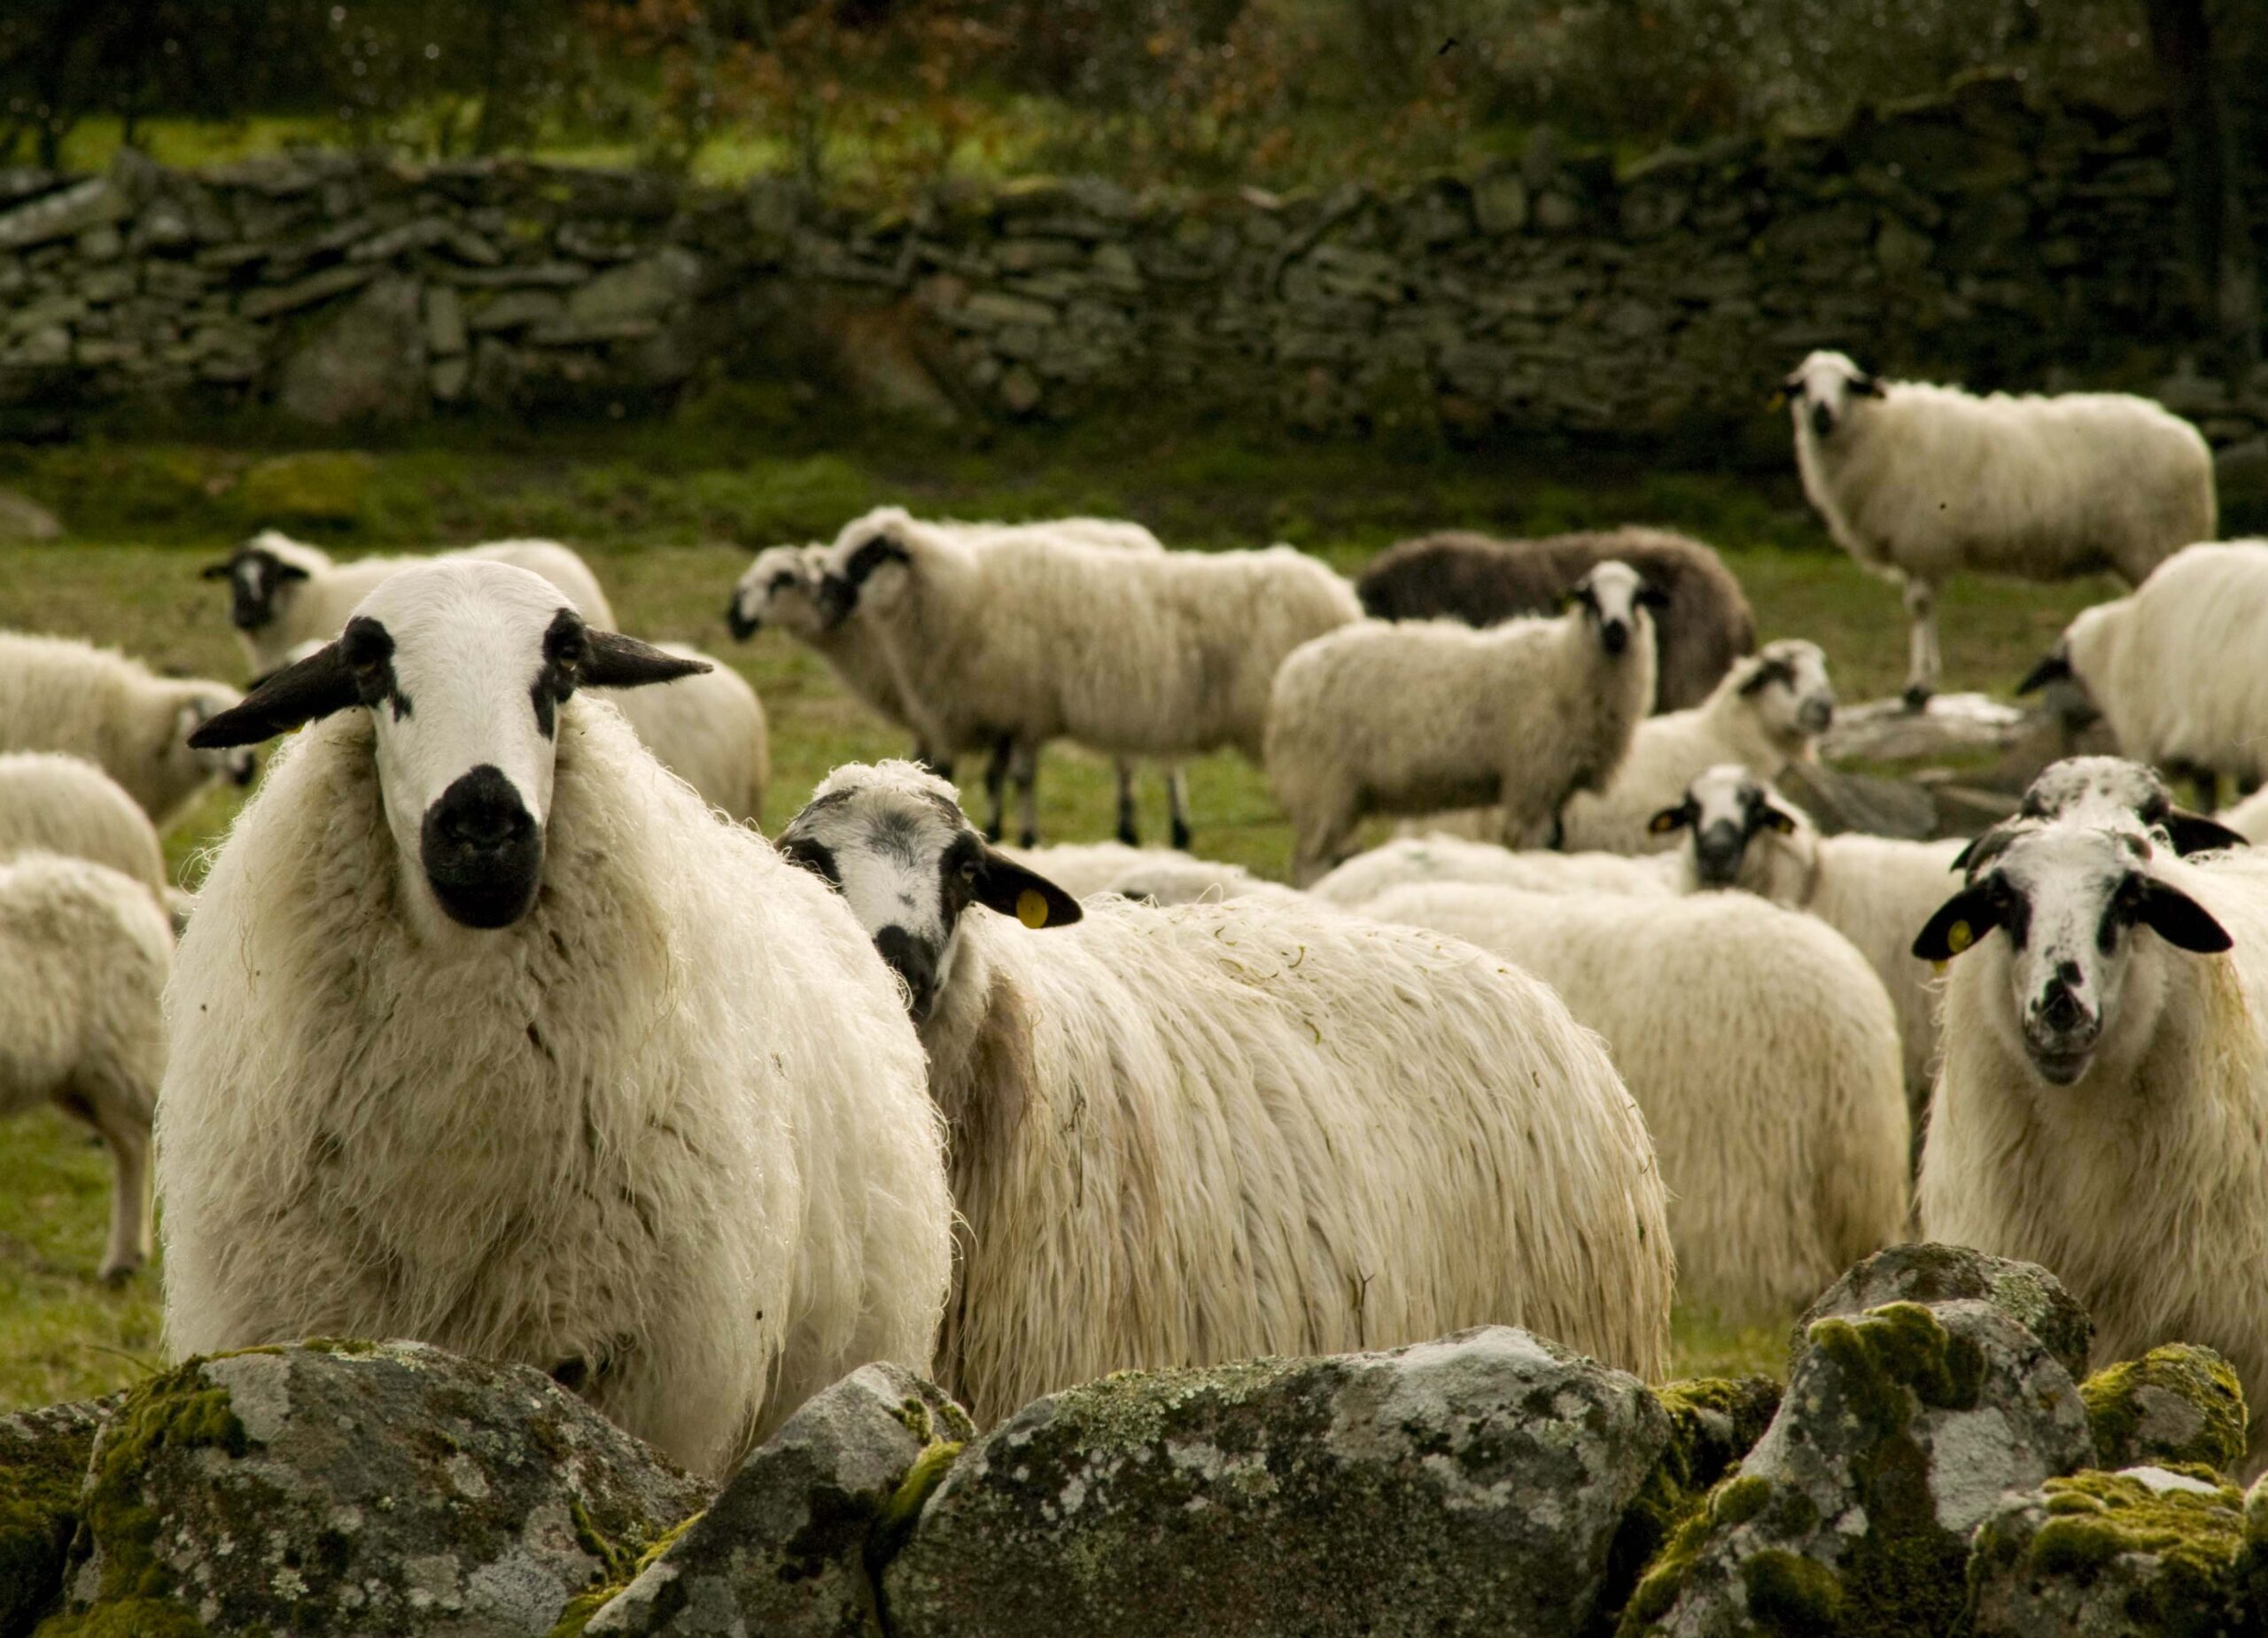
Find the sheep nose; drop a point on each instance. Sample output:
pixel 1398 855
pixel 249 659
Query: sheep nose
pixel 483 850
pixel 914 962
pixel 2060 1008
pixel 740 625
pixel 1717 852
pixel 1615 635
pixel 1822 419
pixel 483 823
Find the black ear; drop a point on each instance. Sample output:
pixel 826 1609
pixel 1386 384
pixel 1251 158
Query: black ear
pixel 1769 672
pixel 2194 833
pixel 614 661
pixel 2178 918
pixel 1653 596
pixel 220 571
pixel 1959 922
pixel 301 692
pixel 289 572
pixel 1779 819
pixel 1005 886
pixel 1670 818
pixel 2053 668
pixel 872 554
pixel 1866 387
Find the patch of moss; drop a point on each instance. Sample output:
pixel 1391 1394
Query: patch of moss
pixel 895 1519
pixel 620 1570
pixel 2094 1519
pixel 2177 1404
pixel 1899 1347
pixel 1665 1577
pixel 127 1618
pixel 43 1469
pixel 311 486
pixel 1789 1593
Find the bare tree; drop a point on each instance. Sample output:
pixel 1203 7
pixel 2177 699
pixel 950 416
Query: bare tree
pixel 2195 67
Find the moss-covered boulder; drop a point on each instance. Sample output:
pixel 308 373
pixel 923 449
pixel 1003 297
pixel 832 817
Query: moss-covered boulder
pixel 42 1471
pixel 312 487
pixel 2177 1404
pixel 1900 1429
pixel 353 1488
pixel 1928 1272
pixel 1474 1484
pixel 2153 1552
pixel 789 1546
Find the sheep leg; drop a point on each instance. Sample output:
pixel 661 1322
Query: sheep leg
pixel 1178 804
pixel 1026 768
pixel 121 1117
pixel 995 785
pixel 1127 831
pixel 1922 662
pixel 1317 836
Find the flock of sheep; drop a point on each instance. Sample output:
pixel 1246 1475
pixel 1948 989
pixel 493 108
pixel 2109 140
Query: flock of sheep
pixel 496 1022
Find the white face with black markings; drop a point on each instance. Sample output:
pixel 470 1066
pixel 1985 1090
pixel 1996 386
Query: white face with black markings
pixel 863 571
pixel 2114 792
pixel 2070 900
pixel 464 667
pixel 1726 808
pixel 1786 686
pixel 1821 391
pixel 891 839
pixel 260 574
pixel 1612 593
pixel 781 587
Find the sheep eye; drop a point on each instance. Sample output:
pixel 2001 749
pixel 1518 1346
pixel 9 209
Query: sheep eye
pixel 968 871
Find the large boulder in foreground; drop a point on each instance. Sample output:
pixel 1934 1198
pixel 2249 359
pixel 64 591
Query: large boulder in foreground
pixel 355 1487
pixel 785 1548
pixel 1928 1272
pixel 1473 1484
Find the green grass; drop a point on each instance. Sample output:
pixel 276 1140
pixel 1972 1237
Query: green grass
pixel 668 516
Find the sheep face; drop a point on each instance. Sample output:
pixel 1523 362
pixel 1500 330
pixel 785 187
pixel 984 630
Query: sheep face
pixel 2114 792
pixel 1724 809
pixel 464 667
pixel 1611 594
pixel 235 763
pixel 2069 898
pixel 1822 390
pixel 780 588
pixel 261 580
pixel 872 572
pixel 1786 686
pixel 892 841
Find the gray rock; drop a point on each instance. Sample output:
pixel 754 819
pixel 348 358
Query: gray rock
pixel 43 1458
pixel 359 1488
pixel 784 1547
pixel 2178 1402
pixel 93 203
pixel 22 519
pixel 1473 1484
pixel 367 363
pixel 272 301
pixel 1928 1272
pixel 444 326
pixel 2137 1554
pixel 646 290
pixel 1900 1430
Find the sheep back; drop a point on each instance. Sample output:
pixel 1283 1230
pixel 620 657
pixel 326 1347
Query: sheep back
pixel 57 803
pixel 60 695
pixel 708 730
pixel 84 954
pixel 1440 856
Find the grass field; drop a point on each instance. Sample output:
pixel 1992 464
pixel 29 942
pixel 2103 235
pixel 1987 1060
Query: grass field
pixel 668 522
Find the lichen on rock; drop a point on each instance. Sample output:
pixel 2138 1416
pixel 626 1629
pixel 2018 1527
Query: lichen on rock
pixel 2178 1402
pixel 1927 1272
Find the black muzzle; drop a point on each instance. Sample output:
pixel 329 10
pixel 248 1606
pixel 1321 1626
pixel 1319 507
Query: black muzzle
pixel 483 850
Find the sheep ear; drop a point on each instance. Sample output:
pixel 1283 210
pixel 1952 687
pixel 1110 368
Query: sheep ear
pixel 1866 387
pixel 289 572
pixel 1765 675
pixel 301 692
pixel 220 571
pixel 1959 922
pixel 1777 818
pixel 1670 818
pixel 2054 667
pixel 2196 832
pixel 1653 596
pixel 2178 918
pixel 1005 886
pixel 618 662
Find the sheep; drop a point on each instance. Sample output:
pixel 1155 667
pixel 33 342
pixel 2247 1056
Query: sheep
pixel 1704 625
pixel 1133 654
pixel 489 1034
pixel 1438 857
pixel 2102 1109
pixel 1197 1134
pixel 1385 717
pixel 2173 666
pixel 708 730
pixel 1159 874
pixel 283 593
pixel 60 695
pixel 2113 790
pixel 50 802
pixel 83 957
pixel 1769 711
pixel 1873 890
pixel 781 586
pixel 1919 482
pixel 1760 1048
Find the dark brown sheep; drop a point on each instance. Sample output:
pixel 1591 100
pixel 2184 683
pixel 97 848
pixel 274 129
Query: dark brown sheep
pixel 1707 625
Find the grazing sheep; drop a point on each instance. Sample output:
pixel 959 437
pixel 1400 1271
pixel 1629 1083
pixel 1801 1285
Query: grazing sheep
pixel 50 802
pixel 2175 666
pixel 1920 482
pixel 489 1034
pixel 1769 711
pixel 1162 875
pixel 1133 654
pixel 283 593
pixel 60 695
pixel 1702 627
pixel 83 954
pixel 2103 1106
pixel 1409 860
pixel 1199 1134
pixel 1762 1051
pixel 1408 718
pixel 708 730
pixel 1875 892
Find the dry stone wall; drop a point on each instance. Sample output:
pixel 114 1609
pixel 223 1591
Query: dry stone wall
pixel 1992 235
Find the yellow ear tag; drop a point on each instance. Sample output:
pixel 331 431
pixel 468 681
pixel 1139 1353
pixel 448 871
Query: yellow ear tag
pixel 1031 907
pixel 1958 937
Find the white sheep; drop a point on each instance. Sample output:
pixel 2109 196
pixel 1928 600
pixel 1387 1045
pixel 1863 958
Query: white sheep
pixel 60 695
pixel 2176 667
pixel 1407 861
pixel 489 1034
pixel 1408 717
pixel 52 803
pixel 708 730
pixel 2102 1109
pixel 1762 1051
pixel 1162 875
pixel 1134 653
pixel 1920 482
pixel 1769 711
pixel 2116 791
pixel 1262 1126
pixel 1877 891
pixel 283 593
pixel 84 957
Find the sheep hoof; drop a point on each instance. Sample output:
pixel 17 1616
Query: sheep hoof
pixel 1182 837
pixel 1917 695
pixel 1132 837
pixel 116 1274
pixel 992 832
pixel 1027 839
